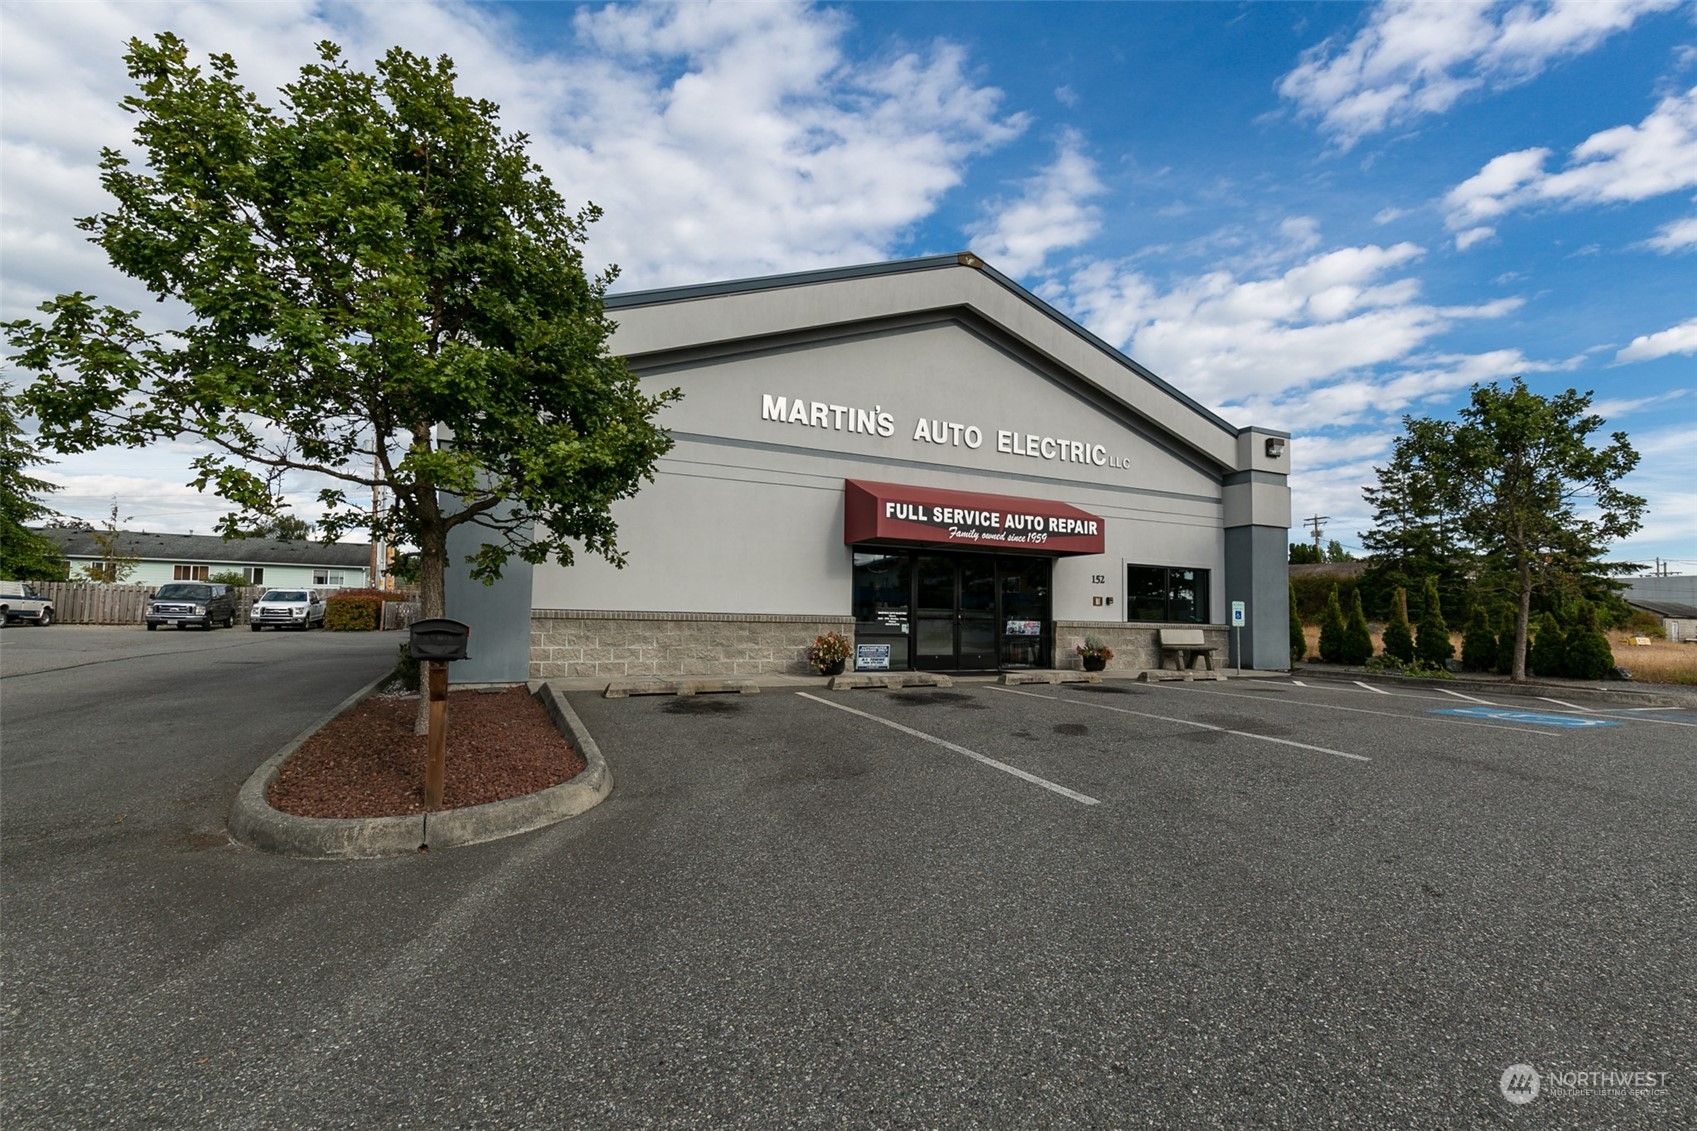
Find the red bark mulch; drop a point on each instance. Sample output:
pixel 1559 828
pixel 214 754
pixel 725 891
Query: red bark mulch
pixel 368 763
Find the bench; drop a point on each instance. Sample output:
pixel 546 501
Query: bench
pixel 1187 644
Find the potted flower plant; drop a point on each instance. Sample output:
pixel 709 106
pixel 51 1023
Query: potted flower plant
pixel 1095 653
pixel 828 653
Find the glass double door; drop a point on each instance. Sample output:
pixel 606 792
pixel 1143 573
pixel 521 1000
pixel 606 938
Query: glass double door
pixel 954 612
pixel 974 612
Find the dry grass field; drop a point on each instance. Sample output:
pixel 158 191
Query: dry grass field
pixel 1660 661
pixel 1657 662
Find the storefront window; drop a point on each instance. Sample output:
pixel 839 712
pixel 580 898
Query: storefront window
pixel 882 590
pixel 1165 593
pixel 1025 612
pixel 954 612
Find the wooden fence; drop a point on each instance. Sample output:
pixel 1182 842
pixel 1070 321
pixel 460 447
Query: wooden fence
pixel 87 602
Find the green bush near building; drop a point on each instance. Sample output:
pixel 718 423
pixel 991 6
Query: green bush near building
pixel 345 613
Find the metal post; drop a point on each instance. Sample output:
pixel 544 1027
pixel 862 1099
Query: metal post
pixel 436 760
pixel 1238 651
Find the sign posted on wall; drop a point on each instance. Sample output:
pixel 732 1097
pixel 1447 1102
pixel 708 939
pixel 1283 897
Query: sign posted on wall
pixel 1237 628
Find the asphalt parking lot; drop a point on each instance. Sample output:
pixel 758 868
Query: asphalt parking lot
pixel 1254 903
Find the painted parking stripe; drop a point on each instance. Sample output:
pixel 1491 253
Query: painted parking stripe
pixel 1081 798
pixel 1649 719
pixel 1459 695
pixel 1194 689
pixel 1370 687
pixel 1191 723
pixel 1505 714
pixel 1565 703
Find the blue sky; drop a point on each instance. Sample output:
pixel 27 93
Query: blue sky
pixel 1316 217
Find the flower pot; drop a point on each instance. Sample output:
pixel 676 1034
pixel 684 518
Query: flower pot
pixel 832 669
pixel 1094 663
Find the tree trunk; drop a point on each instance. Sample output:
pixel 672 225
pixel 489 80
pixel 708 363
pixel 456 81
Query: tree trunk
pixel 432 601
pixel 1522 623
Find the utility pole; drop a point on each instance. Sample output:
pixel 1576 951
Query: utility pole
pixel 1317 522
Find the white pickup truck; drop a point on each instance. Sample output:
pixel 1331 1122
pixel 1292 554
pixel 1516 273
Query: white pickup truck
pixel 20 602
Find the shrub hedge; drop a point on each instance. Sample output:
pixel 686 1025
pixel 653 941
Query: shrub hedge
pixel 348 612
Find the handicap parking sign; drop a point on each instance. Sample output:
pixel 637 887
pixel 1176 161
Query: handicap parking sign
pixel 1535 718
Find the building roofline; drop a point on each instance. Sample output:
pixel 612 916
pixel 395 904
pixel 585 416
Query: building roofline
pixel 726 287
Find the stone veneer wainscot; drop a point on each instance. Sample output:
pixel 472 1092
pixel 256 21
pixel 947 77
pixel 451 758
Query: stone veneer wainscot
pixel 572 642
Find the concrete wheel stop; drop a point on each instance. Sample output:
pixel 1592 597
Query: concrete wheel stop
pixel 887 680
pixel 1050 677
pixel 624 688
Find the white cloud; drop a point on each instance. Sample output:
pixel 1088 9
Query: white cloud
pixel 1680 339
pixel 1626 163
pixel 1416 58
pixel 1051 213
pixel 1625 406
pixel 1252 341
pixel 721 139
pixel 1665 472
pixel 1680 235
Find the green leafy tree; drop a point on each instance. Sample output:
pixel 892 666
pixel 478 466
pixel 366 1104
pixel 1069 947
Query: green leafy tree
pixel 1298 640
pixel 1432 644
pixel 1398 637
pixel 1301 553
pixel 285 528
pixel 25 554
pixel 1357 638
pixel 1336 553
pixel 1332 626
pixel 383 290
pixel 1478 641
pixel 1549 648
pixel 1513 488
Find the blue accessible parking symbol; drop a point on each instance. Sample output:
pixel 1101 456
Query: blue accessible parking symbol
pixel 1508 715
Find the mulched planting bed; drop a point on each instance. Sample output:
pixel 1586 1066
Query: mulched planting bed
pixel 368 763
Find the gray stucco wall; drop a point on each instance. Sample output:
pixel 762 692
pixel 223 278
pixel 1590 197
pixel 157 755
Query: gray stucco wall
pixel 746 514
pixel 745 517
pixel 499 615
pixel 1257 573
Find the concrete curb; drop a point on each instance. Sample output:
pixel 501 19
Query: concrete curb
pixel 253 822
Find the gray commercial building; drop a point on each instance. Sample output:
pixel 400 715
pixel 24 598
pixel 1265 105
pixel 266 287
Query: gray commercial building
pixel 921 455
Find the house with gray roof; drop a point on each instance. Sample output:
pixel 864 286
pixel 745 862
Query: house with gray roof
pixel 195 557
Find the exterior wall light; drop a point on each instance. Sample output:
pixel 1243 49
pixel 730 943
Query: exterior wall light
pixel 1275 448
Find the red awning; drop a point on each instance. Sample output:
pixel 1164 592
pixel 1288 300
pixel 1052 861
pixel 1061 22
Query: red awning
pixel 891 513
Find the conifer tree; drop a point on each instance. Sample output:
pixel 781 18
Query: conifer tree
pixel 1589 655
pixel 1399 635
pixel 1478 641
pixel 1298 641
pixel 1505 638
pixel 1332 629
pixel 1432 634
pixel 1357 640
pixel 1549 648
